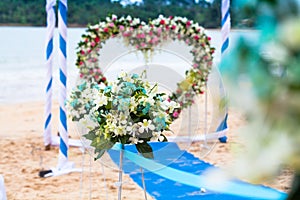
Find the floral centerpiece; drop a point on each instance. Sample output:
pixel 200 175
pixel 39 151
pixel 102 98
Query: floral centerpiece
pixel 128 110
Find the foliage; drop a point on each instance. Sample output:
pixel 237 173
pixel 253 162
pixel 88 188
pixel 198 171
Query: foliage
pixel 82 12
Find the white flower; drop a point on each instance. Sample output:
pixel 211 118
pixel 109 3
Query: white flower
pixel 122 74
pixel 96 26
pixel 120 130
pixel 136 21
pixel 123 118
pixel 132 129
pixel 128 18
pixel 114 17
pixel 135 140
pixel 133 104
pixel 145 126
pixel 169 105
pixel 100 100
pixel 156 136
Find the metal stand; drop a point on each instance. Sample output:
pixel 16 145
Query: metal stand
pixel 143 182
pixel 205 117
pixel 120 173
pixel 190 125
pixel 204 145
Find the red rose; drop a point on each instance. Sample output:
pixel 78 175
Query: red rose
pixel 162 22
pixel 105 29
pixel 97 39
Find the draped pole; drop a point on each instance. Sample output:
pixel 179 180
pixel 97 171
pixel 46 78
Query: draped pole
pixel 225 30
pixel 51 20
pixel 63 129
pixel 63 166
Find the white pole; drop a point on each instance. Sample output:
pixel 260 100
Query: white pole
pixel 50 9
pixel 63 129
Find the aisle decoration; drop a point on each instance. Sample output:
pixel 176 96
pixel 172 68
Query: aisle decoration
pixel 145 38
pixel 128 111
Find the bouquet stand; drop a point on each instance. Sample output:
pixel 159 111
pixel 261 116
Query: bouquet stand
pixel 120 183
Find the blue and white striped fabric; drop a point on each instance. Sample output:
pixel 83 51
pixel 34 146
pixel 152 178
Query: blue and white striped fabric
pixel 225 30
pixel 63 129
pixel 50 9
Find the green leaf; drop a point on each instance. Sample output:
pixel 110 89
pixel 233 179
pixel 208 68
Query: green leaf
pixel 99 154
pixel 90 135
pixel 145 149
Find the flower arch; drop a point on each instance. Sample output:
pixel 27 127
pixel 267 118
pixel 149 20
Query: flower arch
pixel 145 38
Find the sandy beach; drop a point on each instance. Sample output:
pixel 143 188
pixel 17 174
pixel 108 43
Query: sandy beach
pixel 23 156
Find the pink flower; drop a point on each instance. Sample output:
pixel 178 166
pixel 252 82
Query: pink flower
pixel 121 27
pixel 196 37
pixel 208 38
pixel 159 30
pixel 140 35
pixel 162 22
pixel 173 27
pixel 126 34
pixel 175 114
pixel 154 40
pixel 143 44
pixel 93 44
pixel 105 30
pixel 111 24
pixel 81 63
pixel 188 24
pixel 195 65
pixel 81 75
pixel 82 52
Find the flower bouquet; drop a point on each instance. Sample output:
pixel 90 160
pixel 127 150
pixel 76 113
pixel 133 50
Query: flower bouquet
pixel 128 110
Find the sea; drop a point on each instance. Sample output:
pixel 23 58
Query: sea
pixel 23 60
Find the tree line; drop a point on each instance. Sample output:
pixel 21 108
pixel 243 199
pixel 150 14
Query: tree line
pixel 84 12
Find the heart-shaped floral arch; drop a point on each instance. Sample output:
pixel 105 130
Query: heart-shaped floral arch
pixel 145 38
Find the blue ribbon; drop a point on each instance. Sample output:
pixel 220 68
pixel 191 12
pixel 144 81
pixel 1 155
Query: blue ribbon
pixel 200 181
